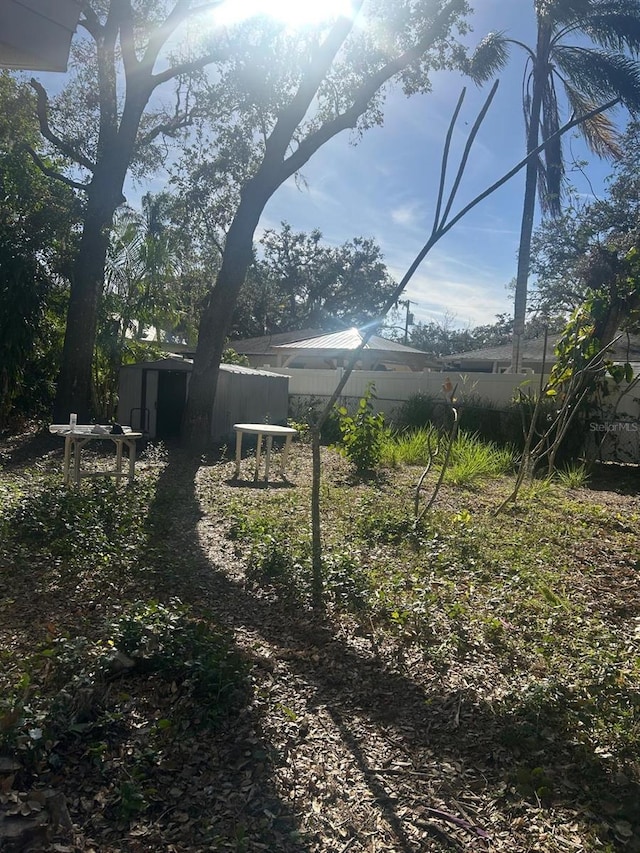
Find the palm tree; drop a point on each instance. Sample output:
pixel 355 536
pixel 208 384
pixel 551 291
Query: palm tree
pixel 597 71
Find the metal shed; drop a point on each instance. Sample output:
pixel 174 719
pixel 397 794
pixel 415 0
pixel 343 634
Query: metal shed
pixel 153 394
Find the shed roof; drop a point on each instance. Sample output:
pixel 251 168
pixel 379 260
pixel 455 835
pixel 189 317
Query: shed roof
pixel 186 364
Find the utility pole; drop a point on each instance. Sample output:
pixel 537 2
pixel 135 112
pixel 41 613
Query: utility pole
pixel 408 319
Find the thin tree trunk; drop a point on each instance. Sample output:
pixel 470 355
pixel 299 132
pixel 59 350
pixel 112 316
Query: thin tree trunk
pixel 531 184
pixel 317 582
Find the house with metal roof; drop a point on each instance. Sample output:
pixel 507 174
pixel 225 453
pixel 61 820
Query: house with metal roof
pixel 498 359
pixel 309 349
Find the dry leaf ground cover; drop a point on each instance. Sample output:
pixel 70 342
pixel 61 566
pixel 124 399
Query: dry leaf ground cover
pixel 164 685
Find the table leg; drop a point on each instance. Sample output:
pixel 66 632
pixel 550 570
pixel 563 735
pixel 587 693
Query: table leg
pixel 131 444
pixel 258 455
pixel 66 469
pixel 238 451
pixel 285 455
pixel 267 459
pixel 119 461
pixel 76 461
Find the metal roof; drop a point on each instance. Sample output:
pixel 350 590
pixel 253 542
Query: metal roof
pixel 349 340
pixel 532 350
pixel 36 35
pixel 264 344
pixel 186 364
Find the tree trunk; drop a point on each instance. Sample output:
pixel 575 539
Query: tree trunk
pixel 217 315
pixel 540 72
pixel 74 389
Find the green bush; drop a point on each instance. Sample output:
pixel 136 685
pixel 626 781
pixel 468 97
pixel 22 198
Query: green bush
pixel 96 525
pixel 418 411
pixel 362 434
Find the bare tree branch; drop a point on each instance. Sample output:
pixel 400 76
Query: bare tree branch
pixel 90 22
pixel 43 119
pixel 319 64
pixel 127 41
pixel 184 68
pixel 52 173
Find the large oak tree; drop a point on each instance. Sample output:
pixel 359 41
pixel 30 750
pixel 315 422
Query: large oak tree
pixel 286 97
pixel 104 124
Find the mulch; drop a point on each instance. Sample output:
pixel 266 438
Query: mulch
pixel 344 746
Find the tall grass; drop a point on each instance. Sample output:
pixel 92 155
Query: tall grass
pixel 471 458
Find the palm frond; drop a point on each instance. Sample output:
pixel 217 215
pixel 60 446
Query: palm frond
pixel 490 57
pixel 599 132
pixel 614 31
pixel 600 75
pixel 562 12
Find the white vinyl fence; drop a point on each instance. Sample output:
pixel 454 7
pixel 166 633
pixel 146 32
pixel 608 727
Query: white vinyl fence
pixel 614 433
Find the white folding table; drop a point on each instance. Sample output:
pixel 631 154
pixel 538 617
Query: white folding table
pixel 78 436
pixel 269 431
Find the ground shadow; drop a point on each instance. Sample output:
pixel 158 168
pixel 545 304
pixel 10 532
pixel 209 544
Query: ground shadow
pixel 427 724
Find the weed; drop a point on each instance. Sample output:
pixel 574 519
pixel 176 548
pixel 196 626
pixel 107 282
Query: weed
pixel 574 476
pixel 413 447
pixel 346 581
pixel 164 638
pixel 471 458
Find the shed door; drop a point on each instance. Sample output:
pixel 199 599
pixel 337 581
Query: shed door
pixel 172 395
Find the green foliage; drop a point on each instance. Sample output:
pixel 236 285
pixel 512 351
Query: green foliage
pixel 362 434
pixel 574 476
pixel 471 458
pixel 301 283
pixel 306 412
pixel 273 559
pixel 504 425
pixel 567 253
pixel 97 526
pixel 37 220
pixel 230 356
pixel 416 412
pixel 412 447
pixel 347 583
pixel 166 639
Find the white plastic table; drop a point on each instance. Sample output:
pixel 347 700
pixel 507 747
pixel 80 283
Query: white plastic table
pixel 268 430
pixel 79 436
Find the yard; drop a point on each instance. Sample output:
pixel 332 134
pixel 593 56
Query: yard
pixel 164 685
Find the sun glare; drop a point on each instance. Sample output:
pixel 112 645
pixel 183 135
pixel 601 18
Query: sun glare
pixel 293 13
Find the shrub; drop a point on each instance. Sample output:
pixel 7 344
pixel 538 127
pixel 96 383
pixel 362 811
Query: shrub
pixel 166 639
pixel 362 434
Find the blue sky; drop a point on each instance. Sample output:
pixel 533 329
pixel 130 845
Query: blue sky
pixel 385 186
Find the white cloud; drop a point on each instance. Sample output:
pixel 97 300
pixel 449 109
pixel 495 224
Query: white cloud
pixel 406 214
